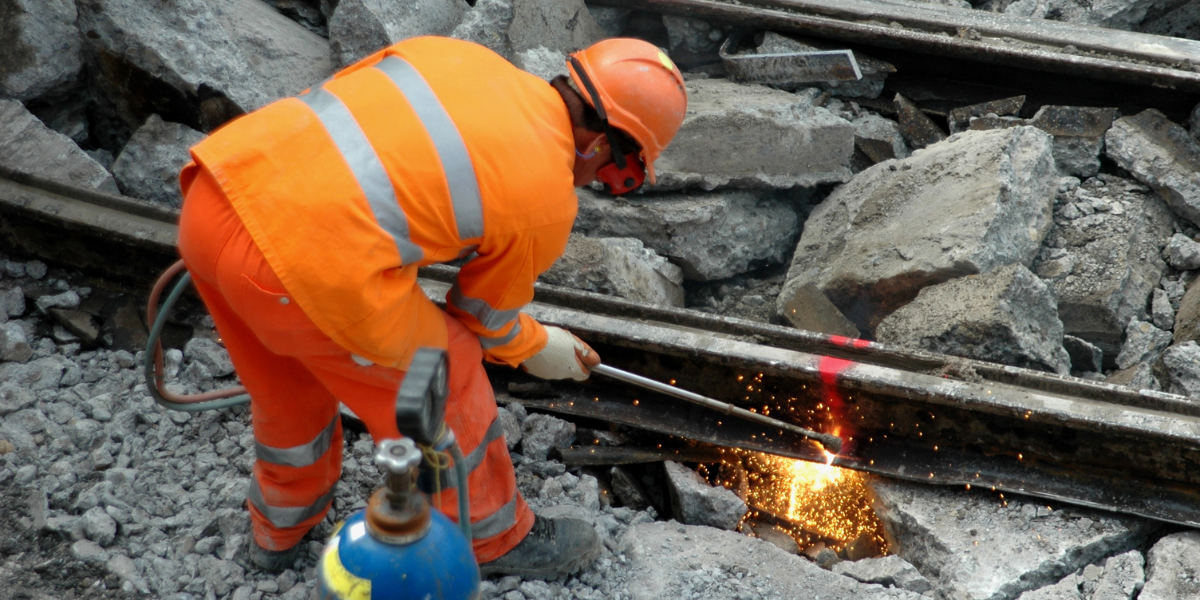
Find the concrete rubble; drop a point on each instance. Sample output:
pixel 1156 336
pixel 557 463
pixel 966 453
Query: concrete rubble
pixel 29 146
pixel 979 545
pixel 977 201
pixel 195 62
pixel 1102 257
pixel 148 167
pixel 710 236
pixel 1006 315
pixel 620 267
pixel 360 27
pixel 1162 155
pixel 563 25
pixel 1171 568
pixel 695 502
pixel 487 24
pixel 39 49
pixel 781 140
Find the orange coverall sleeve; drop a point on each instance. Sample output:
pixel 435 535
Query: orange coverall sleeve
pixel 494 286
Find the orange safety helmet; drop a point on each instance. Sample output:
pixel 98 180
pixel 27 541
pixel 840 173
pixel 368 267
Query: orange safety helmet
pixel 640 92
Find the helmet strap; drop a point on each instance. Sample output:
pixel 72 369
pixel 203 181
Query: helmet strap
pixel 618 155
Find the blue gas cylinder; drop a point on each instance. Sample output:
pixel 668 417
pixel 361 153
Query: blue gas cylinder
pixel 438 566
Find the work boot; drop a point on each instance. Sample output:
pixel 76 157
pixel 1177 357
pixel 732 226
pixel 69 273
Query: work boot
pixel 273 561
pixel 553 547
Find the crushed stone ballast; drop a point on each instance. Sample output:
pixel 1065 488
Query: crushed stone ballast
pixel 902 413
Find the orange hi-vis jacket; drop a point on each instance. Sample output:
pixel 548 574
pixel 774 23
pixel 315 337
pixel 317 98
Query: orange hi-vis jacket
pixel 419 154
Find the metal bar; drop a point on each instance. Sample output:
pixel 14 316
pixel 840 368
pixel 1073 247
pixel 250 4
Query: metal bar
pixel 626 455
pixel 1129 57
pixel 831 442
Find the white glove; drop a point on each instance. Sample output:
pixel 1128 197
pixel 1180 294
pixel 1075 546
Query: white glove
pixel 564 357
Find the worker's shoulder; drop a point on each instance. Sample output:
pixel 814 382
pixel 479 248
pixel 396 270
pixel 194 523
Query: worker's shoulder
pixel 443 52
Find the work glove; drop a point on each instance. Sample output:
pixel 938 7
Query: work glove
pixel 564 357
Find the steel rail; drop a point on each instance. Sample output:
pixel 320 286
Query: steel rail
pixel 907 414
pixel 1052 46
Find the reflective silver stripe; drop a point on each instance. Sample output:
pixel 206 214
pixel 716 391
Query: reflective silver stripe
pixel 487 343
pixel 288 516
pixel 456 161
pixel 298 456
pixel 475 458
pixel 489 317
pixel 356 149
pixel 496 523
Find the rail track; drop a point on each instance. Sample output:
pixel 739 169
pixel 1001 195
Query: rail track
pixel 905 414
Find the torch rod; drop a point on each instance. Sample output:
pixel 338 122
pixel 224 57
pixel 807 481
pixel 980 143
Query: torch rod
pixel 830 442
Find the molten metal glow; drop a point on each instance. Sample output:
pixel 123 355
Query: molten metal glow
pixel 824 503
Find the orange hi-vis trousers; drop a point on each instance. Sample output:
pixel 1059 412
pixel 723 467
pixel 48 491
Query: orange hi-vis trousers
pixel 296 375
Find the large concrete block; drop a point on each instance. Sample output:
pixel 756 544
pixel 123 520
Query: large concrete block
pixel 39 48
pixel 28 145
pixel 1179 369
pixel 754 136
pixel 487 24
pixel 695 502
pixel 975 546
pixel 1160 154
pixel 619 267
pixel 1111 14
pixel 148 167
pixel 197 62
pixel 979 200
pixel 1078 135
pixel 668 560
pixel 360 27
pixel 563 25
pixel 1172 565
pixel 711 236
pixel 1006 315
pixel 1102 257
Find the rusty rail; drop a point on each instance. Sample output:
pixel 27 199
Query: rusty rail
pixel 906 414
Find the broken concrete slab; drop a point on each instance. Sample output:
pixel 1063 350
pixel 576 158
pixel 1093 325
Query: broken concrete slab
pixel 695 502
pixel 1162 155
pixel 668 560
pixel 1144 343
pixel 1179 369
pixel 1102 257
pixel 563 25
pixel 975 546
pixel 1085 357
pixel 542 61
pixel 959 118
pixel 196 62
pixel 618 267
pixel 874 71
pixel 810 309
pixel 542 433
pixel 1138 377
pixel 888 571
pixel 1182 252
pixel 28 145
pixel 1078 135
pixel 487 24
pixel 1162 314
pixel 210 354
pixel 1121 578
pixel 918 129
pixel 148 167
pixel 692 36
pixel 39 48
pixel 1065 589
pixel 1006 315
pixel 711 236
pixel 879 138
pixel 782 140
pixel 79 323
pixel 1111 14
pixel 1171 567
pixel 361 27
pixel 979 200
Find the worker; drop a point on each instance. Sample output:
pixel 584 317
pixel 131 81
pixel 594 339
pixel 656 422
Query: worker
pixel 304 224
